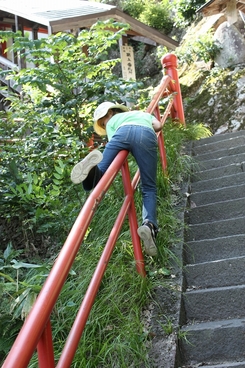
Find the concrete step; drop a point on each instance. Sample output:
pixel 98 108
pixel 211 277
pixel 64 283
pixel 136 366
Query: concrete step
pixel 219 302
pixel 214 249
pixel 216 144
pixel 218 195
pixel 237 150
pixel 216 229
pixel 224 365
pixel 218 183
pixel 223 272
pixel 216 211
pixel 213 342
pixel 222 161
pixel 218 137
pixel 214 257
pixel 219 172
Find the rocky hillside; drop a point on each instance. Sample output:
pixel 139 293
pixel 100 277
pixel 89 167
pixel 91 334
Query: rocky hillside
pixel 215 97
pixel 214 94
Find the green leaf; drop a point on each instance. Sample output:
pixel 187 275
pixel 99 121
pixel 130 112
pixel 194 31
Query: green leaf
pixel 29 301
pixel 9 278
pixel 58 169
pixel 57 176
pixel 29 190
pixel 18 265
pixel 8 251
pixel 57 182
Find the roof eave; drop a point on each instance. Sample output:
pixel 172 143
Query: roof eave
pixel 199 10
pixel 31 17
pixel 135 25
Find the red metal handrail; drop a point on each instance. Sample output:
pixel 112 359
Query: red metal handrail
pixel 36 331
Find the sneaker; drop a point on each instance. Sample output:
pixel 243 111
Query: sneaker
pixel 81 170
pixel 148 234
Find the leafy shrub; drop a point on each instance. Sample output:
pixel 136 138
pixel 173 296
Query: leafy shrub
pixel 202 47
pixel 185 11
pixel 133 8
pixel 157 15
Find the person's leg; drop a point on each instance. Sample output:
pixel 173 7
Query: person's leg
pixel 91 169
pixel 117 143
pixel 142 142
pixel 83 169
pixel 145 153
pixel 148 233
pixel 94 176
pixel 112 148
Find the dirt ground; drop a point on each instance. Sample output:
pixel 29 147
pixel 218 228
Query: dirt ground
pixel 164 327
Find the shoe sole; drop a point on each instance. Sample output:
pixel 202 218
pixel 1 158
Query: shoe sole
pixel 81 170
pixel 145 234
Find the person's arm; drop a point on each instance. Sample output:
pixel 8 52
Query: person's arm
pixel 157 125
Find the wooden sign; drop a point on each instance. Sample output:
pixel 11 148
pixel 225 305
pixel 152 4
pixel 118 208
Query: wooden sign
pixel 127 56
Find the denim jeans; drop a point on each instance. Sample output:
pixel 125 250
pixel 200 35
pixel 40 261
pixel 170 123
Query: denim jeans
pixel 142 143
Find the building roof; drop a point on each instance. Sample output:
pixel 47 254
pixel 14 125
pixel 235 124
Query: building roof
pixel 60 15
pixel 219 6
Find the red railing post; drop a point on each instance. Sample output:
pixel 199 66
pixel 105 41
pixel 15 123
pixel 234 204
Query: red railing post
pixel 169 62
pixel 162 152
pixel 128 189
pixel 153 108
pixel 45 348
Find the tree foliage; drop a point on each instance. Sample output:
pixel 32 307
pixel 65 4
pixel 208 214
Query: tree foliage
pixel 155 14
pixel 69 72
pixel 47 128
pixel 185 11
pixel 158 16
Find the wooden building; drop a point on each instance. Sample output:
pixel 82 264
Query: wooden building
pixel 229 8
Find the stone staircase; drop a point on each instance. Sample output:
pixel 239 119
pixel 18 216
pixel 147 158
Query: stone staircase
pixel 212 333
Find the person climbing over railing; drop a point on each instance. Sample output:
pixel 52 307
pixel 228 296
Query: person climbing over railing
pixel 133 131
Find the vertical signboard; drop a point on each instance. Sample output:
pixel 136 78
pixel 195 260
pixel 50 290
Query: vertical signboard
pixel 127 57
